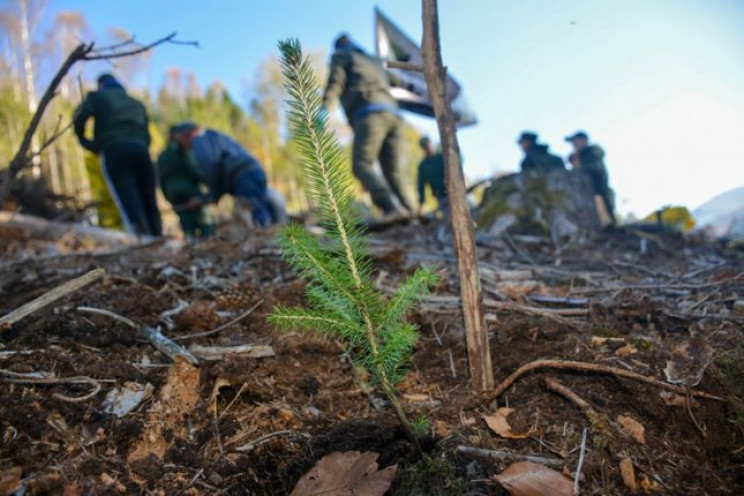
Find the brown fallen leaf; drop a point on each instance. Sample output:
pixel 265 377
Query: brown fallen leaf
pixel 346 474
pixel 533 479
pixel 500 425
pixel 10 480
pixel 634 428
pixel 628 473
pixel 650 486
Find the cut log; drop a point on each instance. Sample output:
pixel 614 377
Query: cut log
pixel 30 227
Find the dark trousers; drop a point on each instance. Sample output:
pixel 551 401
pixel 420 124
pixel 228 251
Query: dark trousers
pixel 379 135
pixel 250 184
pixel 130 177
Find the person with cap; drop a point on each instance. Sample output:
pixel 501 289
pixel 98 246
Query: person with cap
pixel 184 185
pixel 589 159
pixel 362 85
pixel 121 137
pixel 431 173
pixel 229 169
pixel 537 158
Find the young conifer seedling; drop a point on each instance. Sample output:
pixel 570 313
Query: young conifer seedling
pixel 342 299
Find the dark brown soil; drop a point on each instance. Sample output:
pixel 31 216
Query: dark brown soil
pixel 260 423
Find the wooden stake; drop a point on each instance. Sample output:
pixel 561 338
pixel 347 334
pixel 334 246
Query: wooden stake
pixel 479 357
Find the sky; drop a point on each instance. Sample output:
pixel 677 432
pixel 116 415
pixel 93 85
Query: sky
pixel 659 84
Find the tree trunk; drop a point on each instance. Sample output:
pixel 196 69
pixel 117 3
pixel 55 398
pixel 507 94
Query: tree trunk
pixel 479 357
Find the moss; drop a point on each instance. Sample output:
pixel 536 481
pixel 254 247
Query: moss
pixel 641 343
pixel 430 476
pixel 603 332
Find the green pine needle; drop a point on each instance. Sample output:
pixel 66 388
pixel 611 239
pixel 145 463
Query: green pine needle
pixel 344 303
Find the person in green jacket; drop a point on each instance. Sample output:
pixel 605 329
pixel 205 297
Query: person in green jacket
pixel 537 158
pixel 183 185
pixel 431 173
pixel 121 138
pixel 589 159
pixel 363 87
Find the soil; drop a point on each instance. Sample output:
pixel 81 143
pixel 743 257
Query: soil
pixel 245 425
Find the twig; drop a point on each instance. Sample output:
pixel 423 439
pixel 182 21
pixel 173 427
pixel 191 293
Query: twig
pixel 229 405
pixel 46 378
pixel 166 39
pixel 582 454
pixel 656 287
pixel 252 445
pixel 688 406
pixel 162 343
pixel 452 363
pixel 484 454
pixel 577 400
pixel 212 353
pixel 591 367
pixel 222 327
pixel 50 297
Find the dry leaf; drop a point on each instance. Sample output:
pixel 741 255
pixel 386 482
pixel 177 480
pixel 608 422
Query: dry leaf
pixel 346 474
pixel 416 397
pixel 500 425
pixel 650 486
pixel 533 479
pixel 10 480
pixel 688 362
pixel 634 428
pixel 628 473
pixel 626 350
pixel 220 383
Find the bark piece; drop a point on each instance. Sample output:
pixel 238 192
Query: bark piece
pixel 346 474
pixel 688 362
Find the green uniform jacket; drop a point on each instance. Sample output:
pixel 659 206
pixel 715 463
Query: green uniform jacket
pixel 431 172
pixel 538 159
pixel 358 80
pixel 591 159
pixel 180 175
pixel 118 117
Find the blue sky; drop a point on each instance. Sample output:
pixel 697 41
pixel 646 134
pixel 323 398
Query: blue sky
pixel 658 83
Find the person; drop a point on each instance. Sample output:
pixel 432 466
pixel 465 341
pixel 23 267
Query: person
pixel 589 159
pixel 431 172
pixel 362 85
pixel 536 156
pixel 122 138
pixel 229 169
pixel 183 185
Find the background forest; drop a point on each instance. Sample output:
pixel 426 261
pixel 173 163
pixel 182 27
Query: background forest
pixel 29 56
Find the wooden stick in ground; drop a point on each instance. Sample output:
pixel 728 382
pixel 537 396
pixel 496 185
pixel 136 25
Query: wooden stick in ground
pixel 574 398
pixel 162 343
pixel 50 297
pixel 484 454
pixel 591 367
pixel 479 356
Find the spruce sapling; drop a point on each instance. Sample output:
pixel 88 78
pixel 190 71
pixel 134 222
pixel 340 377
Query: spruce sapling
pixel 342 300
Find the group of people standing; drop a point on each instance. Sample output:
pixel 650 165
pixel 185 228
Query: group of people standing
pixel 586 158
pixel 197 167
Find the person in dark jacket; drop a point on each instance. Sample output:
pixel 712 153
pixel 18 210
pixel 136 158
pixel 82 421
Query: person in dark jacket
pixel 363 87
pixel 229 169
pixel 183 185
pixel 431 173
pixel 121 138
pixel 537 158
pixel 589 159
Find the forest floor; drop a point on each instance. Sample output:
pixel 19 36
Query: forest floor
pixel 248 424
